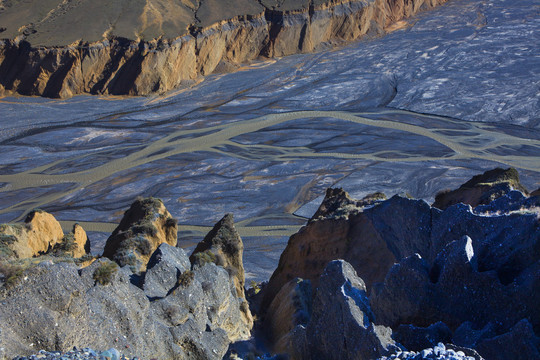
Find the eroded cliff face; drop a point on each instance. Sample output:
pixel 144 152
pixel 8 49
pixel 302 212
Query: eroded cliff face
pixel 119 66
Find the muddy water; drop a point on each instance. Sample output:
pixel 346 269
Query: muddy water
pixel 415 112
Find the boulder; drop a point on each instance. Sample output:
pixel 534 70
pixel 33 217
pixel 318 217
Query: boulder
pixel 145 225
pixel 167 266
pixel 481 189
pixel 39 234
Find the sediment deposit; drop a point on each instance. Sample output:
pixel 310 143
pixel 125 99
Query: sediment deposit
pixel 35 58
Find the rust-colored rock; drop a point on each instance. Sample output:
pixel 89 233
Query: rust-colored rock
pixel 145 225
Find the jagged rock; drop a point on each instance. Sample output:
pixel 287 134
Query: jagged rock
pixel 39 234
pixel 519 343
pixel 455 289
pixel 145 225
pixel 147 51
pixel 342 325
pixel 223 246
pixel 166 267
pixel 482 189
pixel 58 306
pixel 370 234
pixel 290 308
pixel 418 338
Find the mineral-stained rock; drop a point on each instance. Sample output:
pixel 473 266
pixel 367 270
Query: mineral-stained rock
pixel 223 246
pixel 140 48
pixel 74 244
pixel 145 225
pixel 38 235
pixel 342 325
pixel 371 235
pixel 482 189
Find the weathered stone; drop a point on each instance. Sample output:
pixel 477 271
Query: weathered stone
pixel 98 306
pixel 148 50
pixel 482 189
pixel 519 343
pixel 165 269
pixel 223 246
pixel 417 338
pixel 39 234
pixel 145 225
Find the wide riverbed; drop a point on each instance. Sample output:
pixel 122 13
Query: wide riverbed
pixel 452 93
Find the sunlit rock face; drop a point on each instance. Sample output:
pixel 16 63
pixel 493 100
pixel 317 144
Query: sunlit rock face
pixel 156 47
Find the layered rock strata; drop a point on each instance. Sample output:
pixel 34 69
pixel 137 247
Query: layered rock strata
pixel 119 64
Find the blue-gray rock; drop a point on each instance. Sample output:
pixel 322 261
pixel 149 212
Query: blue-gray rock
pixel 165 266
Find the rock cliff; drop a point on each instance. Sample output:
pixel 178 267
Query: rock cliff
pixel 132 48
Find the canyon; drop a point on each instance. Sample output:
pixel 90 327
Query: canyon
pixel 127 48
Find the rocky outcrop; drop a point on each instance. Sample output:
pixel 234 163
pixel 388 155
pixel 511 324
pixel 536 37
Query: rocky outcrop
pixel 481 189
pixel 180 311
pixel 41 233
pixel 180 44
pixel 145 225
pixel 223 246
pixel 464 276
pixel 341 323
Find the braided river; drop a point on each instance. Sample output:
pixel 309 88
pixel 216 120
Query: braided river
pixel 449 94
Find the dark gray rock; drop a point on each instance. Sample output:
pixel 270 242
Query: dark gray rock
pixel 59 306
pixel 519 343
pixel 466 336
pixel 341 324
pixel 482 189
pixel 165 267
pixel 417 338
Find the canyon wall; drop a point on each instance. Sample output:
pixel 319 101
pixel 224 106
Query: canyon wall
pixel 120 66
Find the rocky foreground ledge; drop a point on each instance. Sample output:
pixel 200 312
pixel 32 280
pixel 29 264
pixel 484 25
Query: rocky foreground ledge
pixel 374 278
pixel 124 48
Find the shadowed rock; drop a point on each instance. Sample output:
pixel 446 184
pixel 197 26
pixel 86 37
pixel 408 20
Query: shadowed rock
pixel 341 325
pixel 145 225
pixel 482 189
